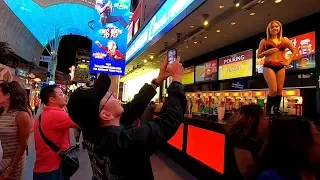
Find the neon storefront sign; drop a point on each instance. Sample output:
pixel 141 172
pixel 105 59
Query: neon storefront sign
pixel 165 15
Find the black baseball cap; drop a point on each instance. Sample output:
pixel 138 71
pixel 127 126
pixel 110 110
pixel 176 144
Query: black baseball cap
pixel 83 105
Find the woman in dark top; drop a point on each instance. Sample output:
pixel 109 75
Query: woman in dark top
pixel 245 131
pixel 292 151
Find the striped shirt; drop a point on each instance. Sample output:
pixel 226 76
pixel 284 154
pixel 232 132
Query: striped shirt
pixel 10 142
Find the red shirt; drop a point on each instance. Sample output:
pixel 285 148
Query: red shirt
pixel 117 55
pixel 55 125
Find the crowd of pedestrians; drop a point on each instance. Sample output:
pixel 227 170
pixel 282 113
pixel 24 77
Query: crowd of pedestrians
pixel 285 149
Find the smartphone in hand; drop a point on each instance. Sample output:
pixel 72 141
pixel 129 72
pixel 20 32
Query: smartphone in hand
pixel 172 55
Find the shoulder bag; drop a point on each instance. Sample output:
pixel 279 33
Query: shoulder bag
pixel 70 161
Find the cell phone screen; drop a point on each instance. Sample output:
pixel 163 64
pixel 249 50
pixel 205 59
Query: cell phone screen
pixel 172 55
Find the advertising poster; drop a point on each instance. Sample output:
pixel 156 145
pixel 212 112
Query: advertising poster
pixel 82 73
pixel 200 69
pixel 130 32
pixel 236 66
pixel 188 76
pixel 306 46
pixel 109 44
pixel 136 26
pixel 206 71
pixel 211 69
pixel 304 59
pixel 259 63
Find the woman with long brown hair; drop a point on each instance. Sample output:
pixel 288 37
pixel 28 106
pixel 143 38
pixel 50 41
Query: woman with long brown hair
pixel 274 68
pixel 245 134
pixel 15 128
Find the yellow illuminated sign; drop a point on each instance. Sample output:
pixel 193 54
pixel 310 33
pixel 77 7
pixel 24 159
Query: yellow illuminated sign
pixel 235 70
pixel 188 76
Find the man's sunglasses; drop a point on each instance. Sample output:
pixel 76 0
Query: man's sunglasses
pixel 111 93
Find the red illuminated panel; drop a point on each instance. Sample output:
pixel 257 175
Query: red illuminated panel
pixel 177 140
pixel 305 44
pixel 207 147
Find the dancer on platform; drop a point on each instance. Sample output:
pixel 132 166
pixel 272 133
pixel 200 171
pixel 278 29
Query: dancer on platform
pixel 274 68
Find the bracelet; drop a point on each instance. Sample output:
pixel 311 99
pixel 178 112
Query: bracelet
pixel 154 82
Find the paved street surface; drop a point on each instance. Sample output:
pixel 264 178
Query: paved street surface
pixel 163 167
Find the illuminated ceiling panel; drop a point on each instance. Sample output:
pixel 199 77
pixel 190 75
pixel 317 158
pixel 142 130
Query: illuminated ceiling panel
pixel 42 17
pixel 45 3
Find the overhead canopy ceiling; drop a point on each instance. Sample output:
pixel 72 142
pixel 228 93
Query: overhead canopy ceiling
pixel 46 3
pixel 46 17
pixel 232 24
pixel 22 44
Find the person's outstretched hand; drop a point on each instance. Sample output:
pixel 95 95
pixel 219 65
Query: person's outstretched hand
pixel 164 74
pixel 176 70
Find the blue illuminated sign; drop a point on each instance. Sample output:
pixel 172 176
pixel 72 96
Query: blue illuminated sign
pixel 160 21
pixel 66 18
pixel 109 43
pixel 239 84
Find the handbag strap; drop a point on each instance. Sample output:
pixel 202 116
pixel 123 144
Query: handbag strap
pixel 52 146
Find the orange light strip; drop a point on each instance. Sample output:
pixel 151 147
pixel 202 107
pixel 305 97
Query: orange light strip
pixel 258 93
pixel 294 92
pixel 247 94
pixel 235 94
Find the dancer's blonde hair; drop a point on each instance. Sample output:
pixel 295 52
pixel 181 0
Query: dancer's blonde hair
pixel 279 35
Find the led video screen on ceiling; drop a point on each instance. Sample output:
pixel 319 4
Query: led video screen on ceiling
pixel 43 17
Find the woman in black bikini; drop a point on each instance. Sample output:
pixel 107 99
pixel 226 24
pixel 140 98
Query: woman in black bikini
pixel 272 48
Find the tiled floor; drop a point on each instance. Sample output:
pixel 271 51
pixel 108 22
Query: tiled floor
pixel 163 167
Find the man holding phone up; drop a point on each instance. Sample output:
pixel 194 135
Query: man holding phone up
pixel 123 152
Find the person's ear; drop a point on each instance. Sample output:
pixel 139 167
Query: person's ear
pixel 8 97
pixel 51 99
pixel 105 115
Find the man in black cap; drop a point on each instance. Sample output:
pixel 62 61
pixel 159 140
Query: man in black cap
pixel 121 152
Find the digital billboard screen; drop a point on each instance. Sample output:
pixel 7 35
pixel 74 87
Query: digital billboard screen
pixel 109 43
pixel 207 71
pixel 188 76
pixel 236 66
pixel 305 57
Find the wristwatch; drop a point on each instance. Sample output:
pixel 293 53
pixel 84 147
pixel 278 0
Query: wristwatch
pixel 154 82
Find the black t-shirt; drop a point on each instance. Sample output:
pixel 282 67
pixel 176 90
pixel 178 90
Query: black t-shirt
pixel 123 152
pixel 113 156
